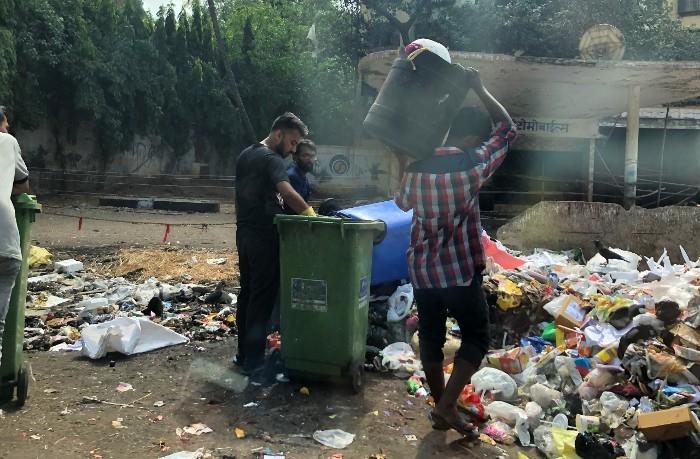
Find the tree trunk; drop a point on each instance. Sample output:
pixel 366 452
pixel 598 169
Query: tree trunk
pixel 230 77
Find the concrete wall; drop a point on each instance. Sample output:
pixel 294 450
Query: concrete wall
pixel 147 168
pixel 558 225
pixel 146 156
pixel 365 170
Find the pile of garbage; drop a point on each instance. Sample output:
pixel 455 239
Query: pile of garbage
pixel 391 317
pixel 64 303
pixel 595 359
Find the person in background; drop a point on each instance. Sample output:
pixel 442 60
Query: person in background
pixel 262 191
pixel 304 161
pixel 445 256
pixel 13 180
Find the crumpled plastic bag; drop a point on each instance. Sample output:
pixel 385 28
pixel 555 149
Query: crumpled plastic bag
pixel 596 382
pixel 565 443
pixel 554 306
pixel 471 402
pixel 544 441
pixel 128 336
pixel 544 396
pixel 495 381
pixel 513 416
pixel 400 357
pixel 502 411
pixel 334 438
pixel 144 292
pixel 39 256
pixel 603 334
pixel 400 303
pixel 499 431
pixel 613 409
pixel 534 414
pixel 201 453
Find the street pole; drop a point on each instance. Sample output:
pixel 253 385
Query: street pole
pixel 632 146
pixel 591 168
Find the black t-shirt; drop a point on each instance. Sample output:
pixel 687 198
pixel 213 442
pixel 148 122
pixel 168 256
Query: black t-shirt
pixel 258 171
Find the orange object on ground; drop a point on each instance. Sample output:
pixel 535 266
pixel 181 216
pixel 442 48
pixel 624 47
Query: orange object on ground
pixel 503 258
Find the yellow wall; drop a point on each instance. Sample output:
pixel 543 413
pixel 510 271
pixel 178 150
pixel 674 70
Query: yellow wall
pixel 692 22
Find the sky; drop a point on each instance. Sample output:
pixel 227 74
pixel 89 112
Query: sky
pixel 153 5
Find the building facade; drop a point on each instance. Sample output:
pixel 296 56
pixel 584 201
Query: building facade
pixel 688 11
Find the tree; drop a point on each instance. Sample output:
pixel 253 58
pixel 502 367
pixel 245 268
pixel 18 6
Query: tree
pixel 403 15
pixel 553 28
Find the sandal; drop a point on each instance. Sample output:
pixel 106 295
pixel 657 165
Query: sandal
pixel 464 428
pixel 437 422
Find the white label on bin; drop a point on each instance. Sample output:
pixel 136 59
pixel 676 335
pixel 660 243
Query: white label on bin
pixel 309 295
pixel 364 292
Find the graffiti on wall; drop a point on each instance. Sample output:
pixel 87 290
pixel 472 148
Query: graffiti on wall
pixel 347 167
pixel 141 154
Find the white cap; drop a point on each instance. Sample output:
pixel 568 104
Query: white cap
pixel 432 46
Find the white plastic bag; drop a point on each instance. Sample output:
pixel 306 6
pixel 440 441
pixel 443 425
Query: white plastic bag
pixel 566 367
pixel 544 441
pixel 335 438
pixel 495 381
pixel 127 336
pixel 544 396
pixel 513 416
pixel 199 454
pixel 613 409
pixel 554 306
pixel 534 413
pixel 400 356
pixel 502 411
pixel 400 303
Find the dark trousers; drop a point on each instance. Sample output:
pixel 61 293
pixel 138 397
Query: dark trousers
pixel 258 258
pixel 468 307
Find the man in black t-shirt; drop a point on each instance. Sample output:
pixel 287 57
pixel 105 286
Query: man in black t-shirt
pixel 262 191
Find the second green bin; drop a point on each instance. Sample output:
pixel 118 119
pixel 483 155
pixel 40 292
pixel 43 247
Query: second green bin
pixel 325 266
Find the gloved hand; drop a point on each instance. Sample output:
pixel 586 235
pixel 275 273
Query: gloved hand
pixel 309 212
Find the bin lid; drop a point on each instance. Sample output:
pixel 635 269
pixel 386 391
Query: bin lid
pixel 26 202
pixel 345 224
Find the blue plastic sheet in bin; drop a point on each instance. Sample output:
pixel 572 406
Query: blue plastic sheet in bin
pixel 389 256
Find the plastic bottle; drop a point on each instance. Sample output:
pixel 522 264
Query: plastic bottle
pixel 587 423
pixel 607 355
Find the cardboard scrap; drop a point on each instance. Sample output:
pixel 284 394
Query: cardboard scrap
pixel 667 424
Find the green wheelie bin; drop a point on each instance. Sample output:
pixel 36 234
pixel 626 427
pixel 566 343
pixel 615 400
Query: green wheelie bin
pixel 14 372
pixel 325 267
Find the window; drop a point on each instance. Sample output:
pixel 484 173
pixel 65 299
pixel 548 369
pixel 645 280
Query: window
pixel 688 7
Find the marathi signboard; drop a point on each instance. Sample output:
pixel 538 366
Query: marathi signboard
pixel 548 127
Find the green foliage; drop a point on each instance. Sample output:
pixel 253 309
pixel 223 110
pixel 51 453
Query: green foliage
pixel 553 27
pixel 111 66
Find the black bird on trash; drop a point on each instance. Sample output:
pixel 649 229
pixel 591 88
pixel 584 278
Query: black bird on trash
pixel 608 254
pixel 155 305
pixel 216 296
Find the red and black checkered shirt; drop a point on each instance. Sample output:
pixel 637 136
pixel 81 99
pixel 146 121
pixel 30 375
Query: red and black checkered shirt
pixel 442 190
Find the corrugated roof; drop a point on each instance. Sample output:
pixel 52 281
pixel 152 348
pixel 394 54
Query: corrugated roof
pixel 564 88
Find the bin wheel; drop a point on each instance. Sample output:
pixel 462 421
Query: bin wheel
pixel 22 385
pixel 358 378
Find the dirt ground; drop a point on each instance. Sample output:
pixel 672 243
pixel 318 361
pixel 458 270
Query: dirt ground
pixel 194 383
pixel 57 227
